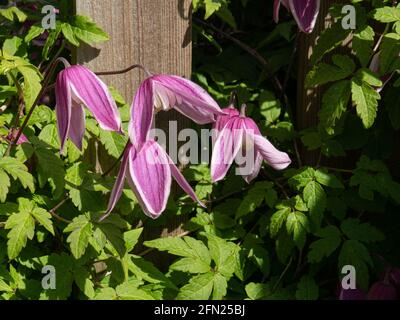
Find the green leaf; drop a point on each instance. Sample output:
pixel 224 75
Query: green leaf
pixel 17 170
pixel 355 230
pixel 81 231
pixel 315 197
pixel 4 287
pixel 69 34
pixel 82 279
pixel 128 291
pixel 220 287
pixel 366 100
pixel 145 270
pixel 328 179
pixel 198 288
pixel 387 14
pixel 44 219
pixel 298 226
pixel 13 13
pixel 323 73
pixel 363 41
pixel 258 291
pixel 87 31
pixel 212 6
pixel 270 106
pixel 131 238
pixel 331 239
pixel 197 257
pixel 32 84
pixel 224 255
pixel 33 33
pixel 277 221
pixel 113 142
pixel 330 39
pixel 389 54
pixel 307 289
pixel 190 265
pixel 49 135
pixel 51 169
pixel 334 104
pixel 22 228
pixel 302 178
pixel 4 185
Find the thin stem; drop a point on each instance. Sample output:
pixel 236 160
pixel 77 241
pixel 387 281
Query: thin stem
pixel 109 73
pixel 36 102
pixel 58 206
pixel 381 38
pixel 19 112
pixel 117 161
pixel 339 170
pixel 296 150
pixel 282 274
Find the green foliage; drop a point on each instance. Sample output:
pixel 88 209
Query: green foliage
pixel 285 235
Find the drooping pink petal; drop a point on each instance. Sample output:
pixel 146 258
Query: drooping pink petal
pixel 277 6
pixel 142 113
pixel 77 125
pixel 187 97
pixel 94 94
pixel 180 179
pixel 150 173
pixel 63 107
pixel 119 183
pixel 256 168
pixel 276 159
pixel 305 12
pixel 227 146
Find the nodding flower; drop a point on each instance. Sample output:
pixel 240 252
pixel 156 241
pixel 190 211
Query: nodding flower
pixel 238 134
pixel 76 87
pixel 305 12
pixel 164 92
pixel 148 171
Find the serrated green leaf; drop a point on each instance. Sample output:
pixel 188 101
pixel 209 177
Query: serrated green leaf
pixel 315 197
pixel 366 100
pixel 198 288
pixel 331 239
pixel 297 225
pixel 81 231
pixel 277 221
pixel 355 230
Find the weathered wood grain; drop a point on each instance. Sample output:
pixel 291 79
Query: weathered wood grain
pixel 153 33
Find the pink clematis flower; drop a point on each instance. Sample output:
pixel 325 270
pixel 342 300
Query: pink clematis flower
pixel 148 172
pixel 77 86
pixel 240 133
pixel 305 12
pixel 163 92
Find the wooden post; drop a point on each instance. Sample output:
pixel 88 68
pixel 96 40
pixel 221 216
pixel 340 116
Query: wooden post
pixel 153 33
pixel 309 100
